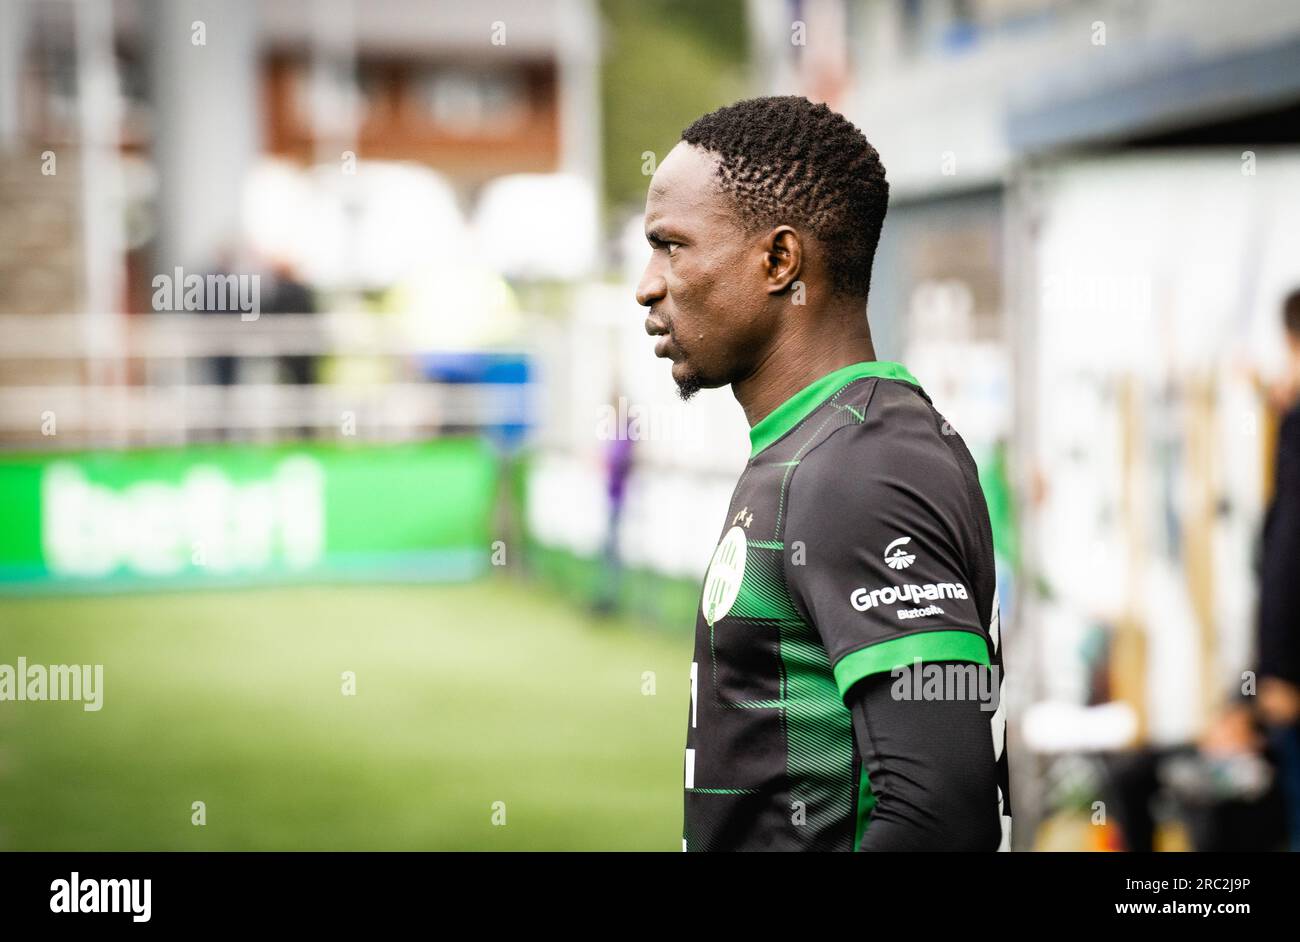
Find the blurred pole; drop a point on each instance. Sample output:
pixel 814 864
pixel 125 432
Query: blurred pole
pixel 102 205
pixel 13 32
pixel 204 71
pixel 579 91
pixel 878 43
pixel 204 77
pixel 824 63
pixel 1022 220
pixel 804 48
pixel 771 63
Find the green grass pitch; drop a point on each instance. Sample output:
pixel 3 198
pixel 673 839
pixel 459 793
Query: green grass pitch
pixel 467 695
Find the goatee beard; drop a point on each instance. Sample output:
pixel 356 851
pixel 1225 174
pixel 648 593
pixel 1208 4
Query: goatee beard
pixel 688 387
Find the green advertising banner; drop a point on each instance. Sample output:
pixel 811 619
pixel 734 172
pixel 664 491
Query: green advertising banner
pixel 218 513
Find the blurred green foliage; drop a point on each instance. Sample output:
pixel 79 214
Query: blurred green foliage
pixel 664 63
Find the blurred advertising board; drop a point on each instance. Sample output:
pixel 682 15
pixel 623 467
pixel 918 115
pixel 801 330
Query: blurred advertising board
pixel 219 514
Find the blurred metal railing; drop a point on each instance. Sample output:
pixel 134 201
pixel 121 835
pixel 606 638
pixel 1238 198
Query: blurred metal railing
pixel 70 380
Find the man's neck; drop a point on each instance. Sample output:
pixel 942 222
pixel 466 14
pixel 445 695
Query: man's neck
pixel 796 362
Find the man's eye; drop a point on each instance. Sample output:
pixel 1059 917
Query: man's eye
pixel 672 247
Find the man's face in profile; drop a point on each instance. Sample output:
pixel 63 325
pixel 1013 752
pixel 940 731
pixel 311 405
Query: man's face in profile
pixel 703 283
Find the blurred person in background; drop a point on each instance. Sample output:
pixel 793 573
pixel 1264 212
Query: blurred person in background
pixel 289 294
pixel 1222 789
pixel 618 458
pixel 1238 786
pixel 223 369
pixel 1279 597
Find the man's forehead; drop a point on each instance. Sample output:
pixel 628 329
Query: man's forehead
pixel 684 176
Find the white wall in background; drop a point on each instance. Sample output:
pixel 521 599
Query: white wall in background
pixel 1161 270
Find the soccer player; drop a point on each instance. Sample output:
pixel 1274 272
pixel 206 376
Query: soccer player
pixel 845 689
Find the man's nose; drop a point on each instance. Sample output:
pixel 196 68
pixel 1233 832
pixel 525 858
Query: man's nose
pixel 651 287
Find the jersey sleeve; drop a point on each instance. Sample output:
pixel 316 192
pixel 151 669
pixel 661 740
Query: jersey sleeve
pixel 932 774
pixel 877 552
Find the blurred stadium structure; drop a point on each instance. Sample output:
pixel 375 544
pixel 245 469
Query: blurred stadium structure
pixel 1093 224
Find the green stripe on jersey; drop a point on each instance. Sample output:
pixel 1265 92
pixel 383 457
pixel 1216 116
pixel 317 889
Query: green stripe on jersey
pixel 941 645
pixel 799 406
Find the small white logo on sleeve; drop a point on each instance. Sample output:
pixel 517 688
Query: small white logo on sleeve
pixel 896 557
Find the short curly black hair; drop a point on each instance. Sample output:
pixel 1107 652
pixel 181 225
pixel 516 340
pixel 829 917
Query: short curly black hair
pixel 785 160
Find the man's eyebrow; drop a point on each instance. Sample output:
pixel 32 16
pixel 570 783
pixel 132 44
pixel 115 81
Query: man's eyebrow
pixel 658 232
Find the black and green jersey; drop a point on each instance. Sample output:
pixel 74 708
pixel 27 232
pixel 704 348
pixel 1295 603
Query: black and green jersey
pixel 857 541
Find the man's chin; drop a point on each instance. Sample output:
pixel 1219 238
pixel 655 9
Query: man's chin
pixel 688 381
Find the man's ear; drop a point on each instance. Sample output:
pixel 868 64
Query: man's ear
pixel 782 259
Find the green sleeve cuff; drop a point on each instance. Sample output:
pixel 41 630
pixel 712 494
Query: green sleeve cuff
pixel 885 656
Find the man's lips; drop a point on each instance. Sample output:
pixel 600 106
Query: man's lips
pixel 657 328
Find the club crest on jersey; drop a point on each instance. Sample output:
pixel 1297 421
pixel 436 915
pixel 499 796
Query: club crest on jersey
pixel 896 557
pixel 726 572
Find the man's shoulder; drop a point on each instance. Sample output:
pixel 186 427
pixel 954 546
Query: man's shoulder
pixel 886 430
